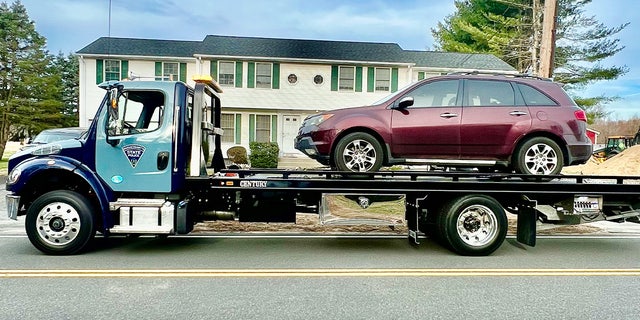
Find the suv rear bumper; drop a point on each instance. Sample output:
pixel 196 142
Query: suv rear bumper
pixel 579 153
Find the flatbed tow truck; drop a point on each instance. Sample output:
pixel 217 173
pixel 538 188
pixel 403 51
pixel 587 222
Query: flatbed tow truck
pixel 142 168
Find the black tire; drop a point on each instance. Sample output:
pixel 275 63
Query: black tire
pixel 472 225
pixel 358 152
pixel 60 222
pixel 539 156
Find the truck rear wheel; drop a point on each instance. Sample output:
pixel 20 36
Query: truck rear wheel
pixel 60 222
pixel 472 225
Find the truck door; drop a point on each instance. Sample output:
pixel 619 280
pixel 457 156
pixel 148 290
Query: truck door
pixel 133 142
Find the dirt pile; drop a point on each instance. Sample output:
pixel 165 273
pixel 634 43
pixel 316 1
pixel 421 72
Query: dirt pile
pixel 627 163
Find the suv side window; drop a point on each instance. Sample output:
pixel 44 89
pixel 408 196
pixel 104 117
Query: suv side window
pixel 489 93
pixel 435 94
pixel 533 97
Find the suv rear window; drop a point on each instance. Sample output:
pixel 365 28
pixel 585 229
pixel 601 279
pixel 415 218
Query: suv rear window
pixel 533 97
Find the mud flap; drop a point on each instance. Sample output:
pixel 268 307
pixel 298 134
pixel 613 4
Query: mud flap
pixel 527 218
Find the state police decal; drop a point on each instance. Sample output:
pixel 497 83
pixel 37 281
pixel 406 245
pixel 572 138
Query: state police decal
pixel 133 152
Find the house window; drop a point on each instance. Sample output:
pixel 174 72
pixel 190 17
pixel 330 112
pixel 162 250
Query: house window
pixel 227 73
pixel 263 128
pixel 346 78
pixel 263 76
pixel 318 79
pixel 170 71
pixel 111 70
pixel 228 124
pixel 383 79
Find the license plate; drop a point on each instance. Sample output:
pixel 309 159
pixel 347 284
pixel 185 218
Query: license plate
pixel 587 204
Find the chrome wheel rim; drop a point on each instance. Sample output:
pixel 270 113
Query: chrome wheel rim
pixel 359 156
pixel 58 223
pixel 477 225
pixel 541 159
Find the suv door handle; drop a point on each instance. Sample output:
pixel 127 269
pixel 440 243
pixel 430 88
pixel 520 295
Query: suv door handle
pixel 517 113
pixel 448 115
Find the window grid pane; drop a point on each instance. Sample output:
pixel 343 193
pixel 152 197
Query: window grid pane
pixel 170 71
pixel 347 75
pixel 263 75
pixel 383 79
pixel 227 73
pixel 112 70
pixel 263 128
pixel 228 124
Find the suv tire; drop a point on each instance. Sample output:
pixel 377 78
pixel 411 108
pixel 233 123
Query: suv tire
pixel 358 152
pixel 540 156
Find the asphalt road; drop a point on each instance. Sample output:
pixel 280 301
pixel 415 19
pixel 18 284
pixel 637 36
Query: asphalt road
pixel 221 277
pixel 203 277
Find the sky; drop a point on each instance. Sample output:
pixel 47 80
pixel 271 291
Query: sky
pixel 70 25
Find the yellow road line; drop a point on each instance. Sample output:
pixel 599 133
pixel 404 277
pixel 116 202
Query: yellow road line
pixel 256 273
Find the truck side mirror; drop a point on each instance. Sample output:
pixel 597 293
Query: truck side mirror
pixel 113 121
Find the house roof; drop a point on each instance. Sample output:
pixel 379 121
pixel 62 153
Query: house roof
pixel 255 47
pixel 141 47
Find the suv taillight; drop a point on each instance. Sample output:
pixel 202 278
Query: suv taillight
pixel 581 115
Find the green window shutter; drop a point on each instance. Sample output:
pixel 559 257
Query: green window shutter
pixel 421 75
pixel 275 76
pixel 371 78
pixel 183 72
pixel 158 71
pixel 124 69
pixel 238 74
pixel 334 78
pixel 358 79
pixel 252 127
pixel 394 79
pixel 274 128
pixel 251 76
pixel 99 71
pixel 213 69
pixel 238 128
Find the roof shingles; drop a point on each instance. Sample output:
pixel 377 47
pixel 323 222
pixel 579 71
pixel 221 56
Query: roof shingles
pixel 254 47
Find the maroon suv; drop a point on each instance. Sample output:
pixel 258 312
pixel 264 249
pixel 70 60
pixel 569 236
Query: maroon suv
pixel 490 122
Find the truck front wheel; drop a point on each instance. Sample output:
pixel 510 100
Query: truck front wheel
pixel 60 222
pixel 472 225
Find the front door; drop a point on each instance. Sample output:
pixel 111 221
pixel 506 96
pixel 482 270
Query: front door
pixel 430 128
pixel 137 155
pixel 290 128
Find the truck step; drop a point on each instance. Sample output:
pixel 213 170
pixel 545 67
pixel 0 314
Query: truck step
pixel 145 230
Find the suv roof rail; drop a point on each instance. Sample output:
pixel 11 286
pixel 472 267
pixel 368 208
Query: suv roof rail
pixel 499 73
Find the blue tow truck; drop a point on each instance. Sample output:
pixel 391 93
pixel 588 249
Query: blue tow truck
pixel 144 167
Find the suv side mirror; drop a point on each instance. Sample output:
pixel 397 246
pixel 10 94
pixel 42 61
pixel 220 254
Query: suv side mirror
pixel 404 103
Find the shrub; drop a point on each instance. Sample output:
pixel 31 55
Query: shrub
pixel 264 154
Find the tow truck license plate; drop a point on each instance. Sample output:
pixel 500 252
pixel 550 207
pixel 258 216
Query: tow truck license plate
pixel 587 204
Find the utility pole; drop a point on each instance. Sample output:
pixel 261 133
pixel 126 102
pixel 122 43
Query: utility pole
pixel 547 48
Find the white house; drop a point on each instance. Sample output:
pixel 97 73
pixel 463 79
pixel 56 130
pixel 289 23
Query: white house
pixel 270 85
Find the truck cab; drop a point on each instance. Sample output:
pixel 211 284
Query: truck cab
pixel 146 138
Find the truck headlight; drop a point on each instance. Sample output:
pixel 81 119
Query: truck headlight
pixel 14 175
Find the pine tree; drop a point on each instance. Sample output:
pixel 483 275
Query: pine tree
pixel 31 95
pixel 510 29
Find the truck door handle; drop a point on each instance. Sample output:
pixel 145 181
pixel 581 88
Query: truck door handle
pixel 163 160
pixel 517 113
pixel 448 115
